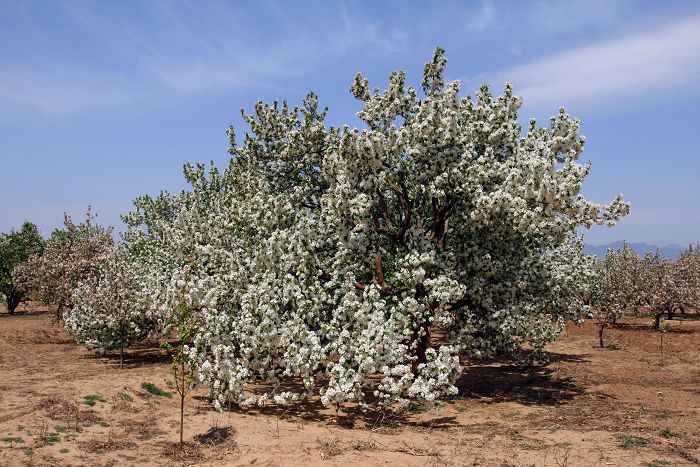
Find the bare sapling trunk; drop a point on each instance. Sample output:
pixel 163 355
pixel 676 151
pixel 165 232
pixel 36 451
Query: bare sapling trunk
pixel 121 345
pixel 181 384
pixel 59 311
pixel 600 334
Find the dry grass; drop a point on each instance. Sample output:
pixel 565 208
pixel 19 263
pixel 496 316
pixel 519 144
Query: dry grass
pixel 143 427
pixel 111 442
pixel 330 447
pixel 64 410
pixel 120 404
pixel 186 452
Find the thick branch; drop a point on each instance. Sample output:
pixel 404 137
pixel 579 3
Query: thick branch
pixel 388 227
pixel 384 289
pixel 379 271
pixel 441 216
pixel 382 221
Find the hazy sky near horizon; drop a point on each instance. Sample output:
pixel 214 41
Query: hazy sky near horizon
pixel 101 102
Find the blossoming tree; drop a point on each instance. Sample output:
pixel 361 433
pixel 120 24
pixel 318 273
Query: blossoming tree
pixel 617 287
pixel 686 280
pixel 71 255
pixel 363 263
pixel 671 285
pixel 117 305
pixel 119 299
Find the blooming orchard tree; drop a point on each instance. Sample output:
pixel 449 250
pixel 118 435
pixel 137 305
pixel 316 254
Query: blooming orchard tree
pixel 616 287
pixel 686 280
pixel 364 263
pixel 117 305
pixel 70 256
pixel 121 301
pixel 671 285
pixel 16 248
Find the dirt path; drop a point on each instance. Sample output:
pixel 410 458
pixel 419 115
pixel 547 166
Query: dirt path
pixel 590 406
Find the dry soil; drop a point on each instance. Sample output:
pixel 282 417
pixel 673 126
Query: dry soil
pixel 627 404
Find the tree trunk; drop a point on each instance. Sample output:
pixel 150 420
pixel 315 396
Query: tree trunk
pixel 670 313
pixel 59 311
pixel 182 404
pixel 421 350
pixel 657 321
pixel 121 343
pixel 600 335
pixel 14 298
pixel 681 309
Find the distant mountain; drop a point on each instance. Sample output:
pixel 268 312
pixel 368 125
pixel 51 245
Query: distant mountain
pixel 671 252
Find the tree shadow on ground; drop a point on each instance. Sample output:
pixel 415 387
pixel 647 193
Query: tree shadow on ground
pixel 489 381
pixel 499 380
pixel 138 355
pixel 644 327
pixel 351 415
pixel 28 312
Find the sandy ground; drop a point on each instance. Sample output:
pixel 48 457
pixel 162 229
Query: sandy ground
pixel 625 405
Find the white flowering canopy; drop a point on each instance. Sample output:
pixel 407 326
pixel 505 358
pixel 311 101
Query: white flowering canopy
pixel 669 285
pixel 363 264
pixel 618 285
pixel 119 305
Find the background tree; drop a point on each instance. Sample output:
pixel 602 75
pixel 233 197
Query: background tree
pixel 71 255
pixel 671 285
pixel 16 248
pixel 659 293
pixel 686 280
pixel 616 288
pixel 114 307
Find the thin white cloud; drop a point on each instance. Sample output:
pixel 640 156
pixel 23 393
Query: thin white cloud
pixel 575 15
pixel 56 92
pixel 483 18
pixel 182 50
pixel 611 71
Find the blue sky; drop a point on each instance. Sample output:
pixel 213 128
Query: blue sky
pixel 101 102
